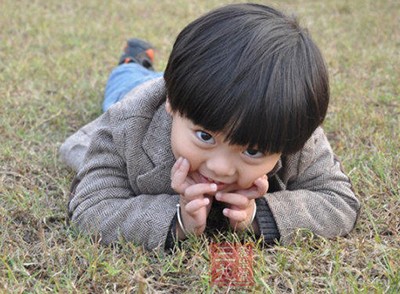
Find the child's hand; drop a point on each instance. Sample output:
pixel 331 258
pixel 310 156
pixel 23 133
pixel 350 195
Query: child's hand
pixel 242 203
pixel 195 204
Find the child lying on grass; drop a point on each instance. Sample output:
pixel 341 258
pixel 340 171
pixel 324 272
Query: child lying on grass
pixel 228 137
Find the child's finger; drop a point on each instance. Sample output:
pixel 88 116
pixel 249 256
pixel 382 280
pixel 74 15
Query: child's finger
pixel 199 190
pixel 259 188
pixel 262 184
pixel 179 174
pixel 235 215
pixel 193 206
pixel 251 193
pixel 176 165
pixel 233 199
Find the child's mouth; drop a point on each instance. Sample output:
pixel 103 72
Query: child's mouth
pixel 204 179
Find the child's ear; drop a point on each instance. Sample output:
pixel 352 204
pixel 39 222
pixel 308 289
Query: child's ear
pixel 168 106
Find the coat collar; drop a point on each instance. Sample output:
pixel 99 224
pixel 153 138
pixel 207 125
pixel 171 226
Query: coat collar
pixel 157 141
pixel 157 146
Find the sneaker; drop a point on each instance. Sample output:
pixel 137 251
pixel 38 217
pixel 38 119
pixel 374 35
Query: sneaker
pixel 138 51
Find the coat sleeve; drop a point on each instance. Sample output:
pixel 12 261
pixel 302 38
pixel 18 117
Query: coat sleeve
pixel 103 202
pixel 317 195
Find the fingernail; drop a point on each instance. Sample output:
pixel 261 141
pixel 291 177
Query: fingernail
pixel 213 187
pixel 218 196
pixel 225 212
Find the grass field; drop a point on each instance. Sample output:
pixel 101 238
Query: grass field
pixel 55 57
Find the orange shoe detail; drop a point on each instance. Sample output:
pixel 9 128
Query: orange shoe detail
pixel 150 54
pixel 127 60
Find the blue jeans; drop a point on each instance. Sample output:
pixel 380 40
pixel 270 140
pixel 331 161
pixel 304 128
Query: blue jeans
pixel 123 79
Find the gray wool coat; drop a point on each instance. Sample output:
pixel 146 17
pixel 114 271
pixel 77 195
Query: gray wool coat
pixel 122 188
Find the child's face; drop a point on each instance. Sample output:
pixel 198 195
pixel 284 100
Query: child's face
pixel 231 167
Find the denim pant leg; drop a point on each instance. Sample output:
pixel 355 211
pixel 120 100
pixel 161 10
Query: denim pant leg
pixel 123 79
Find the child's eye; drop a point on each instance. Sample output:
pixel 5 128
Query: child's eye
pixel 253 153
pixel 205 137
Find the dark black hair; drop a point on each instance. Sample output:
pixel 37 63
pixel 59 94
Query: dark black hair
pixel 251 72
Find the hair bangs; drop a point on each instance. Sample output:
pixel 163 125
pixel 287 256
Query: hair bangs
pixel 258 121
pixel 240 106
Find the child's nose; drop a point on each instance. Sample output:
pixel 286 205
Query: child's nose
pixel 222 166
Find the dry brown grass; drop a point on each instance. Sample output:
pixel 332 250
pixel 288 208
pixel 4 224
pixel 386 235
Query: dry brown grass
pixel 54 61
